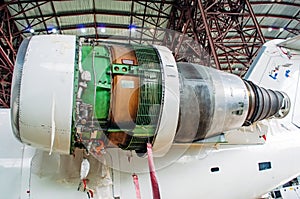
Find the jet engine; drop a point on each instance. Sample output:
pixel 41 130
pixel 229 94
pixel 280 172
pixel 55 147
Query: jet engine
pixel 69 92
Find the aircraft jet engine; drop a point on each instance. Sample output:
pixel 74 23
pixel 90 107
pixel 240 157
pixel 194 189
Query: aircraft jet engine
pixel 69 92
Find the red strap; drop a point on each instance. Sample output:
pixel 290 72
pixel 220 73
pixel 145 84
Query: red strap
pixel 155 188
pixel 84 184
pixel 91 193
pixel 137 186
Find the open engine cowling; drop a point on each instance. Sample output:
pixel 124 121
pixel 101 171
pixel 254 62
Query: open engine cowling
pixel 70 93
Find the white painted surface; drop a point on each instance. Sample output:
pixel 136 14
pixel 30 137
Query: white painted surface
pixel 15 159
pixel 292 192
pixel 189 175
pixel 275 61
pixel 166 129
pixel 296 112
pixel 47 81
pixel 182 172
pixel 293 43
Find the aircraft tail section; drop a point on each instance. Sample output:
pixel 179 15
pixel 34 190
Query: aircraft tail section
pixel 293 43
pixel 277 67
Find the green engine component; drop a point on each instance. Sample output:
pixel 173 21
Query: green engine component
pixel 96 60
pixel 94 117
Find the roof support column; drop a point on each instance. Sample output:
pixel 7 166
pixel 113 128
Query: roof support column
pixel 9 42
pixel 220 28
pixel 212 47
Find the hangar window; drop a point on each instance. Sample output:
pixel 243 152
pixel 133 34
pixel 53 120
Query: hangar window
pixel 264 166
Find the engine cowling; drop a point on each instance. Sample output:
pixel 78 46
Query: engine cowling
pixel 91 94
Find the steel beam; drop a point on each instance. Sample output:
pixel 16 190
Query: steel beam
pixel 221 28
pixel 9 42
pixel 212 48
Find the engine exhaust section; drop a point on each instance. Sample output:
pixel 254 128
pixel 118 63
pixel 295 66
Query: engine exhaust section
pixel 93 94
pixel 212 101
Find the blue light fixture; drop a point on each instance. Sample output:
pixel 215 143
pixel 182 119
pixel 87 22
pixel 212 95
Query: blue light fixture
pixel 132 27
pixel 54 30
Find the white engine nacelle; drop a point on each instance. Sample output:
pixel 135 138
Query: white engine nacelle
pixel 70 93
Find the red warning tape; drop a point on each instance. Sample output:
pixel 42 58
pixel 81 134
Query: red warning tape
pixel 137 186
pixel 155 188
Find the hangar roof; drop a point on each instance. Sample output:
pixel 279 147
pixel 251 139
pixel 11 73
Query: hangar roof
pixel 277 18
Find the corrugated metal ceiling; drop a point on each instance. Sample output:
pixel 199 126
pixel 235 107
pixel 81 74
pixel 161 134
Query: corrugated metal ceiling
pixel 277 19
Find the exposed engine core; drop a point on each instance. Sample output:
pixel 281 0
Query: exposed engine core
pixel 92 95
pixel 121 95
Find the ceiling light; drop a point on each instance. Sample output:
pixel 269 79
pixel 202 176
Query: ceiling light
pixel 132 27
pixel 102 29
pixel 31 30
pixel 270 29
pixel 54 30
pixel 281 29
pixel 83 30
